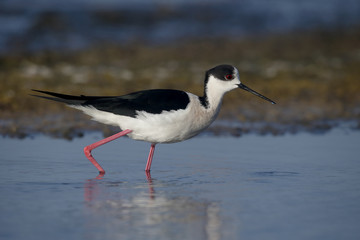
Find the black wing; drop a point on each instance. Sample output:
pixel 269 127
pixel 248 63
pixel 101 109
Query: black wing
pixel 152 101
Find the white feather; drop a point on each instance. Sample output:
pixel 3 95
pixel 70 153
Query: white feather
pixel 166 127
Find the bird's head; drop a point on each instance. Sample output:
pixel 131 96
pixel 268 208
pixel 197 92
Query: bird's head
pixel 224 78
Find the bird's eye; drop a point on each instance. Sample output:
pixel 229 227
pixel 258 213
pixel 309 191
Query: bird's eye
pixel 229 76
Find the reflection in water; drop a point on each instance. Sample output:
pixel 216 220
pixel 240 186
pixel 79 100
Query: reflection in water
pixel 131 212
pixel 151 186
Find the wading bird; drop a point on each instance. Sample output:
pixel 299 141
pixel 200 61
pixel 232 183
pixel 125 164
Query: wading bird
pixel 157 115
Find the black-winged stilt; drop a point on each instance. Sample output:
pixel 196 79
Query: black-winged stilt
pixel 158 115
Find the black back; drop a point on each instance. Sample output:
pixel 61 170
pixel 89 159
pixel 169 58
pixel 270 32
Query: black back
pixel 152 101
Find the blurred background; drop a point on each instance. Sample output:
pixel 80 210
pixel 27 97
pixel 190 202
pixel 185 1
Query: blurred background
pixel 304 55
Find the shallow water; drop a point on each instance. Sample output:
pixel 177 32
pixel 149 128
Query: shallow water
pixel 302 186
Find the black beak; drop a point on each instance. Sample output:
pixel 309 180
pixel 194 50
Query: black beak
pixel 242 86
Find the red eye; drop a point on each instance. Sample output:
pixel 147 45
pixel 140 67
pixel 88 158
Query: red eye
pixel 229 76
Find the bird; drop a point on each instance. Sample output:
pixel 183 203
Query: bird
pixel 157 115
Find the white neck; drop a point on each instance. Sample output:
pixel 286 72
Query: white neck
pixel 215 90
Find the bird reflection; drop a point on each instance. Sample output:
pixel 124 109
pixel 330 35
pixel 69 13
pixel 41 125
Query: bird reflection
pixel 92 188
pixel 120 208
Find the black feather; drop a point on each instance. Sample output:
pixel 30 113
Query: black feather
pixel 152 101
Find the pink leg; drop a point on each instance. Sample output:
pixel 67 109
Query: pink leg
pixel 151 154
pixel 88 149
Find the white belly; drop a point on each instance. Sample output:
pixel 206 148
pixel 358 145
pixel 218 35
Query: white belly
pixel 167 127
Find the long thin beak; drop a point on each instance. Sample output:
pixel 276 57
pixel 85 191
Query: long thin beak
pixel 242 86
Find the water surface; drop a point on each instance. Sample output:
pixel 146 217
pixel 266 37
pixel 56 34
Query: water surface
pixel 302 186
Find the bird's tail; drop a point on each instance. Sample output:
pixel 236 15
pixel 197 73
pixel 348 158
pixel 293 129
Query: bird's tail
pixel 68 99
